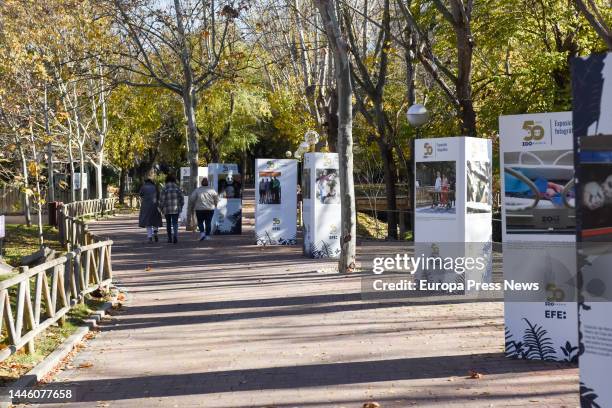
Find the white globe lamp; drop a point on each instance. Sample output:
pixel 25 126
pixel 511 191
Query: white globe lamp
pixel 417 115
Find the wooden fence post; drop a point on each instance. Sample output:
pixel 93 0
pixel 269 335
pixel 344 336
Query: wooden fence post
pixel 25 310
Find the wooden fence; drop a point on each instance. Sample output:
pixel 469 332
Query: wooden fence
pixel 11 201
pixel 73 228
pixel 40 296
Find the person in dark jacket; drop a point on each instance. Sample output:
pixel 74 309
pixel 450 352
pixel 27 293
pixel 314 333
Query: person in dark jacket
pixel 171 202
pixel 149 217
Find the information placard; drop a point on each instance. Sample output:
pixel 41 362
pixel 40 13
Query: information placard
pixel 538 230
pixel 227 181
pixel 453 202
pixel 276 201
pixel 321 205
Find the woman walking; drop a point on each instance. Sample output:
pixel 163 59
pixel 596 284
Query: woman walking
pixel 171 203
pixel 149 216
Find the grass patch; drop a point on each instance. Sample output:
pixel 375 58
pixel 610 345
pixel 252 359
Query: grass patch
pixel 21 362
pixel 22 240
pixel 372 228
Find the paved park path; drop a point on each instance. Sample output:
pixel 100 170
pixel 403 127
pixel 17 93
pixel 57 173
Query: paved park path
pixel 228 324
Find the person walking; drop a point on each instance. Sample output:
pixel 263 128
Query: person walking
pixel 171 203
pixel 262 191
pixel 444 195
pixel 204 200
pixel 437 190
pixel 149 217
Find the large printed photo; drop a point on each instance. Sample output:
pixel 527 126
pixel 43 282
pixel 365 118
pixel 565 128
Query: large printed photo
pixel 436 187
pixel 269 187
pixel 596 195
pixel 479 198
pixel 539 194
pixel 229 185
pixel 328 186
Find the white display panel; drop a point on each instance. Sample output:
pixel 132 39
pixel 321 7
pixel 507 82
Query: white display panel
pixel 453 199
pixel 321 205
pixel 453 203
pixel 226 179
pixel 538 230
pixel 185 180
pixel 275 201
pixel 592 120
pixel 186 172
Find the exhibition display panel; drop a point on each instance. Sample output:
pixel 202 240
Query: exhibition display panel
pixel 321 205
pixel 538 229
pixel 276 201
pixel 453 202
pixel 226 179
pixel 592 119
pixel 184 183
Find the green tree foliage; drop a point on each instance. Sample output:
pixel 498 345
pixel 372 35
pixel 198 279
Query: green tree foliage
pixel 229 117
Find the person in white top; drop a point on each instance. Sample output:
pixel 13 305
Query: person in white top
pixel 437 190
pixel 204 200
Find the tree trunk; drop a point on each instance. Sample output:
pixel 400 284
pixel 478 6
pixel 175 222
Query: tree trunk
pixel 245 164
pixel 81 172
pixel 50 177
pixel 213 148
pixel 38 193
pixel 71 158
pixel 189 105
pixel 98 167
pixel 345 134
pixel 409 57
pixel 122 185
pixel 386 153
pixel 332 121
pixel 189 102
pixel 27 211
pixel 463 36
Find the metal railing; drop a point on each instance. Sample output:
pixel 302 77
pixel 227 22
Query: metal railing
pixel 41 296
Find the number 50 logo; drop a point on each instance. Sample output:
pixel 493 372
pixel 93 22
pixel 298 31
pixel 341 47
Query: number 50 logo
pixel 535 132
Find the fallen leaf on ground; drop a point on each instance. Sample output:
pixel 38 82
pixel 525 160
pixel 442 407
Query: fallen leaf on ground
pixel 371 405
pixel 87 364
pixel 475 375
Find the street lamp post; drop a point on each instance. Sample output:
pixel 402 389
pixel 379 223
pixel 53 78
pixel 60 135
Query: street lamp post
pixel 417 116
